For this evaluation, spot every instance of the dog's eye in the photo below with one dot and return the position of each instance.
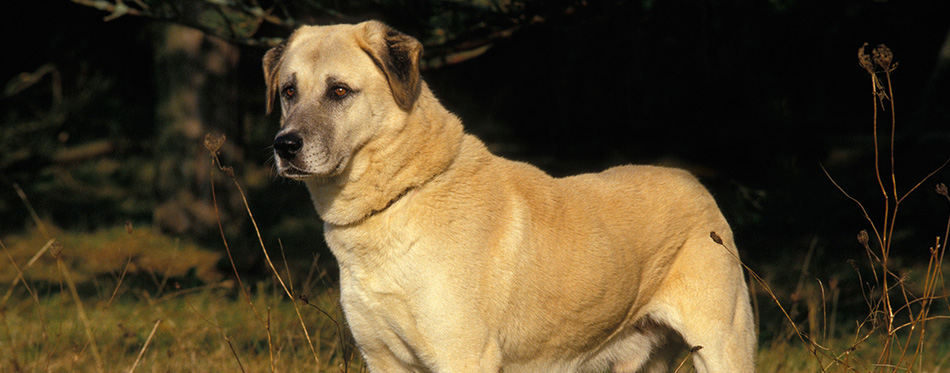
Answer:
(289, 91)
(340, 92)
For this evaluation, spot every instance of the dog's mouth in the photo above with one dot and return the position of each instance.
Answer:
(294, 172)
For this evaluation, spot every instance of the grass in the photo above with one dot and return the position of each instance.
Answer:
(132, 299)
(199, 329)
(855, 340)
(105, 252)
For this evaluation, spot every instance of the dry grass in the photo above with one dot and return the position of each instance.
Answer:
(104, 253)
(204, 329)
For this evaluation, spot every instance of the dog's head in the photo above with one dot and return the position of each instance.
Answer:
(338, 86)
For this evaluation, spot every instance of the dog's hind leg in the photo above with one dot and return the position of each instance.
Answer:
(722, 346)
(655, 354)
(707, 303)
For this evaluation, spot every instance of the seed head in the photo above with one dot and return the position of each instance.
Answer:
(863, 237)
(864, 60)
(883, 57)
(715, 237)
(213, 143)
(942, 190)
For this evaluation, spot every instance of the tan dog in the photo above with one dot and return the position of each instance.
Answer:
(456, 260)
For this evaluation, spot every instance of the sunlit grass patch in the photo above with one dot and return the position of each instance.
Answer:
(206, 330)
(107, 253)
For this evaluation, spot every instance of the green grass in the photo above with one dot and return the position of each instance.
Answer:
(213, 327)
(856, 341)
(107, 253)
(120, 298)
(207, 328)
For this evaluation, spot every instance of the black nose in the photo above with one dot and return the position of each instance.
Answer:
(287, 146)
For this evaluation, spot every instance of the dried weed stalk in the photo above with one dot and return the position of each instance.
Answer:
(213, 144)
(896, 315)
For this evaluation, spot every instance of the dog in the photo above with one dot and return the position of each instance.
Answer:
(453, 259)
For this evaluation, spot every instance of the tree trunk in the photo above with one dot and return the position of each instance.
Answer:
(196, 86)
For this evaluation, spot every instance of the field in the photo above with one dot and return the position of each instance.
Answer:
(78, 312)
(157, 307)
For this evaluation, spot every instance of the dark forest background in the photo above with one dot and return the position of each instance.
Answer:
(102, 121)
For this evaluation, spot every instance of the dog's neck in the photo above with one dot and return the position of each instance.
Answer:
(382, 173)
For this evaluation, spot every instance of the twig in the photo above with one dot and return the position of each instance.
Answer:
(691, 352)
(20, 272)
(220, 330)
(81, 310)
(855, 200)
(119, 282)
(29, 207)
(233, 351)
(213, 145)
(718, 240)
(145, 346)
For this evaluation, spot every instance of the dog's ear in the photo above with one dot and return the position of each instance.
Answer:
(272, 61)
(397, 55)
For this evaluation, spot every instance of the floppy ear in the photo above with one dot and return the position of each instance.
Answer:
(397, 55)
(271, 65)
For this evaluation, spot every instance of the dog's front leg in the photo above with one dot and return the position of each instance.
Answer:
(484, 360)
(456, 340)
(433, 329)
(460, 355)
(385, 361)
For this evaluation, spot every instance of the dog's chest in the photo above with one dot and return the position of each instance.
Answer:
(380, 282)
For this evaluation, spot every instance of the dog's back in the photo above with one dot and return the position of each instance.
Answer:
(616, 264)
